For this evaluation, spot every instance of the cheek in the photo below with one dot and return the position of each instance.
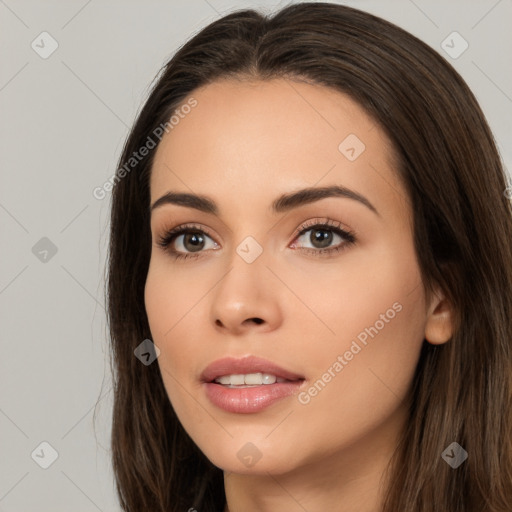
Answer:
(373, 318)
(164, 308)
(173, 306)
(169, 297)
(358, 385)
(159, 302)
(371, 294)
(375, 353)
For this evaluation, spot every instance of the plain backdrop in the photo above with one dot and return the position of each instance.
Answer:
(64, 118)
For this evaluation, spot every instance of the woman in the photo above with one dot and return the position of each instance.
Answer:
(314, 239)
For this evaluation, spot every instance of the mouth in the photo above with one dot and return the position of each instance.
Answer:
(248, 385)
(247, 371)
(250, 380)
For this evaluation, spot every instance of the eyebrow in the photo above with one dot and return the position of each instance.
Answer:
(283, 203)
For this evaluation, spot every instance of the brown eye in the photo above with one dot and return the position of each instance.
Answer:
(184, 241)
(321, 236)
(193, 241)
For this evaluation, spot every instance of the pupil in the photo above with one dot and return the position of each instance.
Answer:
(326, 237)
(196, 239)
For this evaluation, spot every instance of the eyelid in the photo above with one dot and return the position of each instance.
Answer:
(307, 225)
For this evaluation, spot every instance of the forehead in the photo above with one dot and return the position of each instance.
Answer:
(269, 136)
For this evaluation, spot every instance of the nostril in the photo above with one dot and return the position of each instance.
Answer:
(255, 320)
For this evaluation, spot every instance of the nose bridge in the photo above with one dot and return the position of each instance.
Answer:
(249, 240)
(246, 271)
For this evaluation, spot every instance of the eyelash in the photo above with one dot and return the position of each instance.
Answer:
(328, 225)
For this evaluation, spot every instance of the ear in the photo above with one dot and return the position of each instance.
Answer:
(439, 321)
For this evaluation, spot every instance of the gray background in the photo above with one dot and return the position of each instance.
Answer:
(64, 120)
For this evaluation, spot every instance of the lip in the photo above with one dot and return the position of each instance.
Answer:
(248, 364)
(250, 399)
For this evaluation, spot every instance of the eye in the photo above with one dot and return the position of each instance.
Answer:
(322, 235)
(186, 238)
(189, 241)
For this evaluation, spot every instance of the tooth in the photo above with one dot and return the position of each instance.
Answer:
(237, 380)
(269, 379)
(249, 379)
(253, 378)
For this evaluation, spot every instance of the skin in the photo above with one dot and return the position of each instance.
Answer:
(243, 145)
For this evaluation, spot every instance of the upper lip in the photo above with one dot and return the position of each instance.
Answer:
(248, 364)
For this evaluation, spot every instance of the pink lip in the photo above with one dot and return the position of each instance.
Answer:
(250, 399)
(248, 364)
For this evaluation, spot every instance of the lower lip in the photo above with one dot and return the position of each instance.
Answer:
(249, 400)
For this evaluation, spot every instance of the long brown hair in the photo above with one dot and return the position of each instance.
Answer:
(449, 164)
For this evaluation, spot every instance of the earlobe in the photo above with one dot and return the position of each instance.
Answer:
(439, 322)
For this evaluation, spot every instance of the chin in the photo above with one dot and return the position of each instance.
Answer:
(247, 459)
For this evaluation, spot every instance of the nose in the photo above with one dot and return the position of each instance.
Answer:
(245, 299)
(255, 320)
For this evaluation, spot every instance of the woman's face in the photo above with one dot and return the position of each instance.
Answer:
(340, 317)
